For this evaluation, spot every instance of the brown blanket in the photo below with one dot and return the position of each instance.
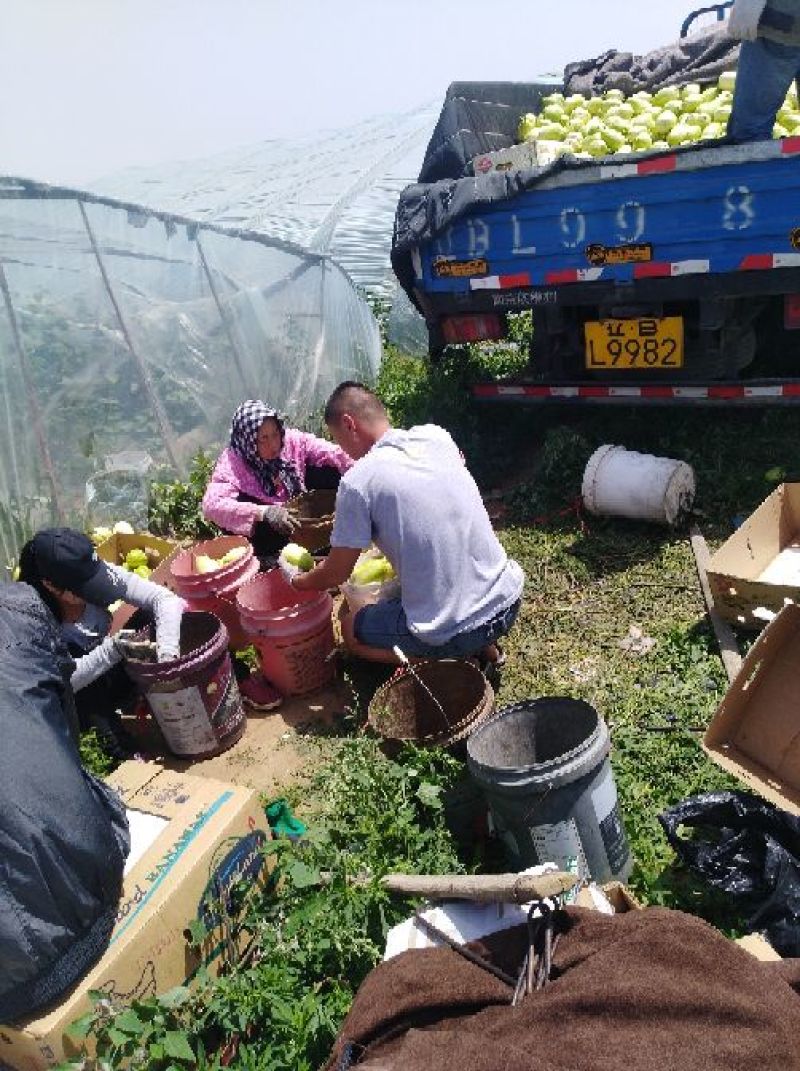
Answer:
(643, 991)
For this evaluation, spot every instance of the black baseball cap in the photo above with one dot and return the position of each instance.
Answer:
(69, 561)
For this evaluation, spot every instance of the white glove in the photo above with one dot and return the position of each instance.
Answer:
(287, 569)
(744, 19)
(131, 646)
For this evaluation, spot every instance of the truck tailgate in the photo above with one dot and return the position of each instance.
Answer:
(713, 210)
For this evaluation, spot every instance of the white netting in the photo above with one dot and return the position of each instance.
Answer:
(124, 329)
(334, 191)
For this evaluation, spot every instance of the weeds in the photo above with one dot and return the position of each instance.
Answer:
(317, 935)
(175, 505)
(93, 756)
(587, 581)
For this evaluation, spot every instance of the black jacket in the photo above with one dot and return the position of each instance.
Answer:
(63, 834)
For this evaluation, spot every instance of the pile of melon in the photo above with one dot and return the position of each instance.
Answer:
(614, 123)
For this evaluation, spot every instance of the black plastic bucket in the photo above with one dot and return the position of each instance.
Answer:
(543, 766)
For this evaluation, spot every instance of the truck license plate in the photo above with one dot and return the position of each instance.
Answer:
(655, 342)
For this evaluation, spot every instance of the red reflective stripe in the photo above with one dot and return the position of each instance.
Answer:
(717, 391)
(520, 279)
(725, 392)
(568, 276)
(651, 271)
(791, 311)
(657, 392)
(790, 145)
(756, 262)
(657, 165)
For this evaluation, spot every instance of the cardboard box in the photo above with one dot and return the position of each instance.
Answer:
(114, 550)
(195, 839)
(539, 153)
(116, 547)
(755, 733)
(514, 158)
(759, 566)
(619, 896)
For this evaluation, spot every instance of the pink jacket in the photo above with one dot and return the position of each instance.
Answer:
(232, 476)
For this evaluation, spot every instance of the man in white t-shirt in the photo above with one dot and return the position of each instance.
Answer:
(411, 495)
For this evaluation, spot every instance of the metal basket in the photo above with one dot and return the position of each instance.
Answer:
(314, 510)
(401, 710)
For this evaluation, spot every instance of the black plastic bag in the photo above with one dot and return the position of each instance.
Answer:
(745, 846)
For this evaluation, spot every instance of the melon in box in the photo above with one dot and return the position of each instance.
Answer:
(115, 549)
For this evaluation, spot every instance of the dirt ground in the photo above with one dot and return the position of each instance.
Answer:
(270, 754)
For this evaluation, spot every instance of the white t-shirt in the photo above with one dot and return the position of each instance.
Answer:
(413, 497)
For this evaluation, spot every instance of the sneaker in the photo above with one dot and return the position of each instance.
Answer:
(258, 693)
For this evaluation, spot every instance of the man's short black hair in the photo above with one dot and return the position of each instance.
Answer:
(353, 397)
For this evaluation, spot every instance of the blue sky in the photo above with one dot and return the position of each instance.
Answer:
(91, 86)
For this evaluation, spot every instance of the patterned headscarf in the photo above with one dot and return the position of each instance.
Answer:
(247, 419)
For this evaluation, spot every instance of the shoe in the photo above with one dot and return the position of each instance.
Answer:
(492, 669)
(259, 694)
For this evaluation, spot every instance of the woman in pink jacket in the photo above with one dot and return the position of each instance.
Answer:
(265, 465)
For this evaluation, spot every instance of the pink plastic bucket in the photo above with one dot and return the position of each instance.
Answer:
(215, 592)
(195, 699)
(292, 631)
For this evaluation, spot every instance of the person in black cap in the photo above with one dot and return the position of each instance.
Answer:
(61, 564)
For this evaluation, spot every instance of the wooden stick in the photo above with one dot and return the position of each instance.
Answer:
(728, 647)
(482, 888)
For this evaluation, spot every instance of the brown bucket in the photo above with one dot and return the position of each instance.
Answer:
(314, 509)
(402, 710)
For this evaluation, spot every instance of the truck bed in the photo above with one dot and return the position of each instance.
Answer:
(716, 212)
(704, 238)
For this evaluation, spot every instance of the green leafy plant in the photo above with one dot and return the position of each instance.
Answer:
(150, 1034)
(94, 758)
(175, 505)
(315, 937)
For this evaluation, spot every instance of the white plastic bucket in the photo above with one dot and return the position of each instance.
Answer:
(359, 595)
(623, 483)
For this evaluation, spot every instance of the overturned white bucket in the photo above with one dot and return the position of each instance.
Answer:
(623, 483)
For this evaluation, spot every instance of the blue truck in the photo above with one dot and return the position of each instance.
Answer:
(661, 277)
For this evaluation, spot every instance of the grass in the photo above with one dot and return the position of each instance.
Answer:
(587, 581)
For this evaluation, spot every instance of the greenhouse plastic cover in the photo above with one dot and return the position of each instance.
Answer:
(128, 336)
(329, 192)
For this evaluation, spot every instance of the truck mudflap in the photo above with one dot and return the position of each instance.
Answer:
(752, 393)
